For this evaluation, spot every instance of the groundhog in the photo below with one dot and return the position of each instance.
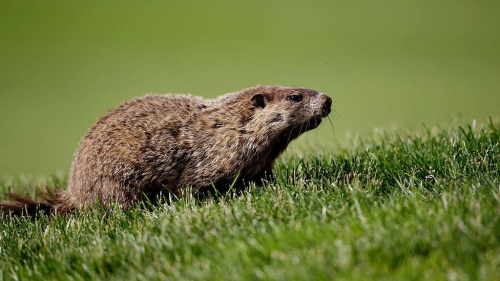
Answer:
(164, 143)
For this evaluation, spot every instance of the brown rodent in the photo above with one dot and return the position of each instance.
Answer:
(156, 143)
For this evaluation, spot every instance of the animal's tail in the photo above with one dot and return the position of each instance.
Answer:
(51, 202)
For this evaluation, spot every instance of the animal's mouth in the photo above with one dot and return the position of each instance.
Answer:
(313, 123)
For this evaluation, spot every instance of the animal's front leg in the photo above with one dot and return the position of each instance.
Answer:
(264, 174)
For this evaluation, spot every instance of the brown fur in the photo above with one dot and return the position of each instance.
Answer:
(156, 143)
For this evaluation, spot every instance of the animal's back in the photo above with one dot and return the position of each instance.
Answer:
(133, 149)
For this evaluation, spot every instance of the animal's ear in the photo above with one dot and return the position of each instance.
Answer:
(259, 100)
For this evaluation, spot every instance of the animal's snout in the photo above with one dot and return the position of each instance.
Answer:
(327, 106)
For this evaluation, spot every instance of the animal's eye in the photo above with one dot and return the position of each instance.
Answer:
(295, 97)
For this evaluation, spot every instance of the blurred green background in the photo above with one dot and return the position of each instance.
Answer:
(385, 63)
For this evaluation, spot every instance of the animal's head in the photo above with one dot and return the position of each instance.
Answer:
(288, 111)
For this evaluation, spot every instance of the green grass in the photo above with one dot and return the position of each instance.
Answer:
(413, 205)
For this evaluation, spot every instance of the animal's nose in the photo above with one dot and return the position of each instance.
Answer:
(327, 106)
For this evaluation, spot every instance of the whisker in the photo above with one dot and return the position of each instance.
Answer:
(331, 123)
(290, 135)
(332, 126)
(336, 117)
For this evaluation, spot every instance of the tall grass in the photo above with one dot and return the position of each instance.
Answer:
(413, 205)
